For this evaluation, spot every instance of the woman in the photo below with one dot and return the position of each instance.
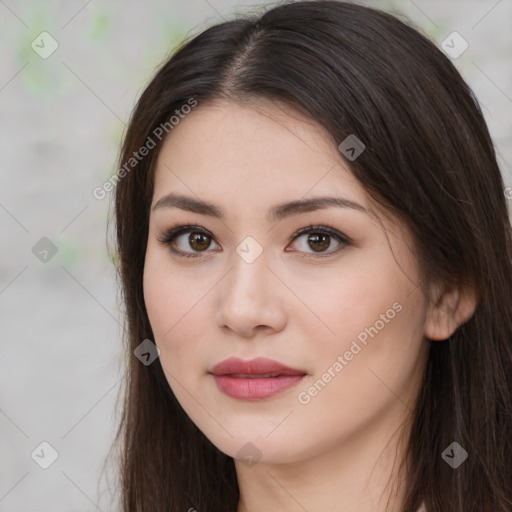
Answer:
(312, 230)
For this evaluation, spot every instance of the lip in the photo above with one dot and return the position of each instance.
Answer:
(251, 380)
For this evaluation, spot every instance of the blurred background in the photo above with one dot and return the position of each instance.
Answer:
(70, 74)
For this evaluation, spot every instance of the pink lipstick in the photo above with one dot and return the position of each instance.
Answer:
(256, 379)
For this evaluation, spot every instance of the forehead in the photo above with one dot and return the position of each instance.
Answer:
(224, 147)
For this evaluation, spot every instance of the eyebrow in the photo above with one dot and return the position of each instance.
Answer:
(276, 213)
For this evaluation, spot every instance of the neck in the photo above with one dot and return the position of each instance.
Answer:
(360, 475)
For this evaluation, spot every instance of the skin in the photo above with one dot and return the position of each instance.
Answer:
(342, 447)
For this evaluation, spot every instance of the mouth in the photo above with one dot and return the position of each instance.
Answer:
(253, 376)
(256, 379)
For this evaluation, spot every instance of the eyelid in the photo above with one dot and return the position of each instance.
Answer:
(341, 238)
(173, 232)
(322, 228)
(170, 234)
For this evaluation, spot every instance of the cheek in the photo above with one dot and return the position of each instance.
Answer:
(373, 315)
(334, 311)
(174, 310)
(371, 366)
(381, 351)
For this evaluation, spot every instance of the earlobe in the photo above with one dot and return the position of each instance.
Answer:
(452, 308)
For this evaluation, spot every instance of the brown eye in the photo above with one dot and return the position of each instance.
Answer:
(319, 242)
(199, 241)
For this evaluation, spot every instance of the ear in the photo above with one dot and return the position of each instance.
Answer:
(451, 308)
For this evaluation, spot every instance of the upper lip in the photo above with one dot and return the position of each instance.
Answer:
(258, 366)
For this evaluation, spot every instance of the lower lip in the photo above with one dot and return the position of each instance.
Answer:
(255, 389)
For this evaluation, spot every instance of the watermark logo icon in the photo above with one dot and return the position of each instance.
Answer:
(249, 249)
(454, 45)
(146, 352)
(44, 250)
(44, 45)
(454, 455)
(351, 147)
(249, 454)
(44, 455)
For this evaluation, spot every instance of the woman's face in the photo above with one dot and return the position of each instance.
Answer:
(339, 304)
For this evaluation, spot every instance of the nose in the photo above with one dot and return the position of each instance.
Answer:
(250, 299)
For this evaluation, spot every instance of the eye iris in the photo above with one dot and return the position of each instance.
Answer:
(199, 238)
(316, 238)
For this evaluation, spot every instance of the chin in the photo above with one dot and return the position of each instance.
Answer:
(252, 447)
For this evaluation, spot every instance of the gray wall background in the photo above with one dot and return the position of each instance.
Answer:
(62, 118)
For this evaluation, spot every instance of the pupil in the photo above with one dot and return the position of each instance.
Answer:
(196, 238)
(315, 239)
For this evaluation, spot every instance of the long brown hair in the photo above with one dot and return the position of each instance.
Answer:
(429, 160)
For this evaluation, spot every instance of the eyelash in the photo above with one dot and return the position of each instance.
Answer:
(179, 229)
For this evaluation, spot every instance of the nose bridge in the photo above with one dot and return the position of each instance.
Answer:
(249, 273)
(248, 299)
